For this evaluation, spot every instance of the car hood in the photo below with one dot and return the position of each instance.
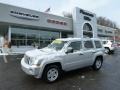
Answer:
(40, 52)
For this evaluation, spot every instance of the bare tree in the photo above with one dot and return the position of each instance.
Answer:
(106, 22)
(66, 14)
(100, 20)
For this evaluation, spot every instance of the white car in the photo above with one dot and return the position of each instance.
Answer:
(109, 46)
(63, 55)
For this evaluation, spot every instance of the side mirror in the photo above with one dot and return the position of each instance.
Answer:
(69, 50)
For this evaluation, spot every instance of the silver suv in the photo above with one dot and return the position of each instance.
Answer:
(63, 55)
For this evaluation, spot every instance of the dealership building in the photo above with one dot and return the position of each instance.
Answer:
(26, 29)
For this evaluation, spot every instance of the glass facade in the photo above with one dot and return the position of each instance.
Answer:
(87, 30)
(100, 31)
(32, 37)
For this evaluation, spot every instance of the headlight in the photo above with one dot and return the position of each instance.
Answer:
(37, 62)
(28, 60)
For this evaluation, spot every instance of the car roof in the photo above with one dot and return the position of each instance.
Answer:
(77, 39)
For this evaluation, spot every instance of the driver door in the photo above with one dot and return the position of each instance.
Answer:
(72, 60)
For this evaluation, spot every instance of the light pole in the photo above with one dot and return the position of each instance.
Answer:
(114, 35)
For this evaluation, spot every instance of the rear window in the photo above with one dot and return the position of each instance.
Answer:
(112, 41)
(104, 42)
(88, 44)
(98, 44)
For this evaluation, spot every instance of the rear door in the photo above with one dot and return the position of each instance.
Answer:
(88, 52)
(98, 45)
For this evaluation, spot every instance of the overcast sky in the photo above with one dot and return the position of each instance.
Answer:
(105, 8)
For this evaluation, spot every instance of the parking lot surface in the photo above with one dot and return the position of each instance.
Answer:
(108, 78)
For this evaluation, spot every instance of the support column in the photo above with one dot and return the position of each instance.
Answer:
(60, 34)
(9, 34)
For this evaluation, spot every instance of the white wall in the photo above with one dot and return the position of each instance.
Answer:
(78, 22)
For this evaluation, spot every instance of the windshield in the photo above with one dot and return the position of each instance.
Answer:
(57, 44)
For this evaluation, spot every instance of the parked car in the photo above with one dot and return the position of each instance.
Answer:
(118, 44)
(109, 46)
(63, 55)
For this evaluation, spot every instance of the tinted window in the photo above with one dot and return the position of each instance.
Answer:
(76, 45)
(87, 27)
(88, 44)
(98, 44)
(104, 42)
(87, 30)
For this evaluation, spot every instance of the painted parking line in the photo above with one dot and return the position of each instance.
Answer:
(4, 55)
(5, 59)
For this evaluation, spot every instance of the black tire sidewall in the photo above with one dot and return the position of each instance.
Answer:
(46, 71)
(94, 65)
(108, 51)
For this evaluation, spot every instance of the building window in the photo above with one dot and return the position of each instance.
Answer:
(87, 30)
(31, 37)
(108, 32)
(87, 27)
(100, 30)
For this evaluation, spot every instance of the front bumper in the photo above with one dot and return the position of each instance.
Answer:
(31, 70)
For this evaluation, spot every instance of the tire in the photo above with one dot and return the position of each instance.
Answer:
(97, 64)
(51, 73)
(112, 52)
(107, 50)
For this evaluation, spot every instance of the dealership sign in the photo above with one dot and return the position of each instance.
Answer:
(24, 15)
(56, 22)
(86, 13)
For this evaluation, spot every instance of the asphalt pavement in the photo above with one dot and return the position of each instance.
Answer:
(108, 78)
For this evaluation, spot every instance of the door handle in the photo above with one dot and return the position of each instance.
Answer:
(94, 52)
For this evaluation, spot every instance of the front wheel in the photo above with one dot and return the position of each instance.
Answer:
(51, 73)
(97, 64)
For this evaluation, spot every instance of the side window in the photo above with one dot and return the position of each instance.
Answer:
(98, 44)
(104, 42)
(76, 45)
(88, 44)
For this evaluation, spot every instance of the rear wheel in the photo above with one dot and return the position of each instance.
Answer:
(98, 63)
(107, 50)
(51, 73)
